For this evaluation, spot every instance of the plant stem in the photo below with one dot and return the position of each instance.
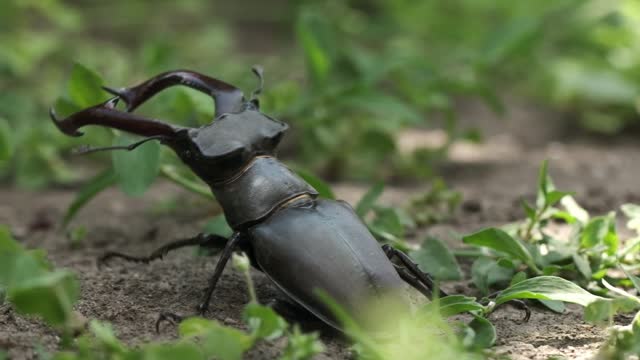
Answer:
(170, 173)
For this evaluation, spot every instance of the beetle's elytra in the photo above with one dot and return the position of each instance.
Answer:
(302, 243)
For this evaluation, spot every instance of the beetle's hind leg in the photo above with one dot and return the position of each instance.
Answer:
(204, 240)
(411, 273)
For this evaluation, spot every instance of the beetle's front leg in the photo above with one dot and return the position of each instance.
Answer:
(213, 281)
(205, 240)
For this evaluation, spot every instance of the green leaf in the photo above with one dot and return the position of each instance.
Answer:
(218, 226)
(553, 305)
(221, 342)
(485, 333)
(435, 258)
(518, 277)
(171, 351)
(301, 346)
(369, 199)
(264, 322)
(50, 296)
(634, 279)
(457, 304)
(92, 188)
(85, 87)
(486, 272)
(575, 210)
(601, 230)
(583, 266)
(6, 141)
(323, 188)
(544, 184)
(547, 288)
(555, 195)
(103, 331)
(529, 211)
(602, 311)
(310, 30)
(136, 169)
(501, 241)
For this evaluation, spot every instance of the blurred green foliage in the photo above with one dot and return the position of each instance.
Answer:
(347, 75)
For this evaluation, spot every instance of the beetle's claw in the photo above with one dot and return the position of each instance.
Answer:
(167, 316)
(57, 123)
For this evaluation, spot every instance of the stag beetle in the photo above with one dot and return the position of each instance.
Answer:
(300, 241)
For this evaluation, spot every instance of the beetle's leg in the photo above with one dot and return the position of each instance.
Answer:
(404, 274)
(167, 316)
(227, 97)
(411, 267)
(517, 303)
(226, 254)
(206, 240)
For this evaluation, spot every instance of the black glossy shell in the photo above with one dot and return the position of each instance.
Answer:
(248, 132)
(323, 245)
(257, 191)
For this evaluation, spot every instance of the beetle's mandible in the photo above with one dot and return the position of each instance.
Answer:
(301, 242)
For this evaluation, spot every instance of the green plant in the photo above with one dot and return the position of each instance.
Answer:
(33, 287)
(530, 247)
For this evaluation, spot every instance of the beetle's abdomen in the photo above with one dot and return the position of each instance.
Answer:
(258, 190)
(324, 245)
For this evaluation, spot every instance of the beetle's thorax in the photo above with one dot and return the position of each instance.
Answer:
(235, 156)
(258, 190)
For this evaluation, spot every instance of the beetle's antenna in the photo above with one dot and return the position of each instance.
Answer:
(259, 72)
(86, 149)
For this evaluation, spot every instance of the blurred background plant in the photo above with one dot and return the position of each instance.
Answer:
(347, 75)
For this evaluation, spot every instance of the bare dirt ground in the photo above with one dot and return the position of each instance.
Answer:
(492, 176)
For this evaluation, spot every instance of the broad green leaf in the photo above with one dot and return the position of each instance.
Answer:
(486, 272)
(634, 279)
(518, 277)
(301, 346)
(485, 333)
(554, 196)
(601, 230)
(136, 169)
(547, 288)
(435, 258)
(553, 305)
(323, 188)
(369, 199)
(218, 341)
(583, 266)
(103, 331)
(195, 326)
(264, 322)
(6, 141)
(50, 296)
(499, 240)
(7, 243)
(575, 210)
(225, 343)
(92, 188)
(602, 311)
(85, 87)
(632, 211)
(218, 226)
(456, 304)
(171, 351)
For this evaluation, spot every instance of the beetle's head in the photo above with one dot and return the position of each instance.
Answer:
(212, 151)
